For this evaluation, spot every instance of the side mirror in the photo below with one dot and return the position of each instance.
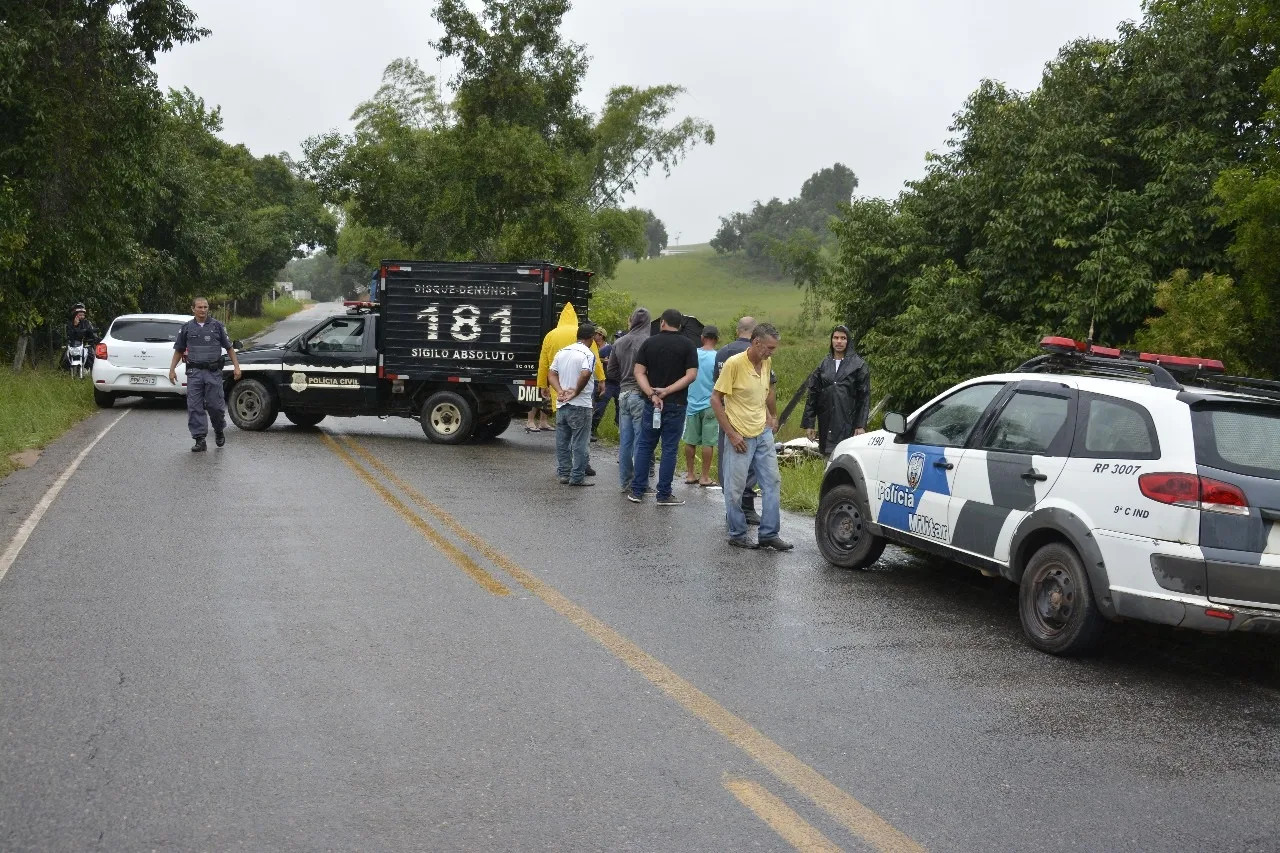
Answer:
(895, 422)
(237, 344)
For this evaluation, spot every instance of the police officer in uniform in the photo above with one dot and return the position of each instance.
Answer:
(202, 340)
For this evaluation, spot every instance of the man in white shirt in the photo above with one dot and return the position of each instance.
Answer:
(572, 378)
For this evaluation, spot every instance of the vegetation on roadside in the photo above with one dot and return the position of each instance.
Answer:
(240, 328)
(37, 406)
(714, 288)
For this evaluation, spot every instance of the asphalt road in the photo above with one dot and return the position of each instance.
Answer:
(349, 638)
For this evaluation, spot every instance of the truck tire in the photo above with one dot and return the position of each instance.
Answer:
(252, 405)
(447, 418)
(104, 399)
(1055, 603)
(841, 529)
(301, 419)
(494, 428)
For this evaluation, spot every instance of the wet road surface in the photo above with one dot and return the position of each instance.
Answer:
(349, 638)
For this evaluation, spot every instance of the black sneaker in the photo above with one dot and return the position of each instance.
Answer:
(199, 446)
(670, 500)
(777, 543)
(753, 517)
(219, 438)
(591, 472)
(583, 483)
(634, 498)
(742, 542)
(564, 481)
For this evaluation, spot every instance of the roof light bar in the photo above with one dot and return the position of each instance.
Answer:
(1070, 346)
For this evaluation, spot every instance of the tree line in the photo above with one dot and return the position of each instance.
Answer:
(1133, 196)
(514, 166)
(117, 195)
(123, 197)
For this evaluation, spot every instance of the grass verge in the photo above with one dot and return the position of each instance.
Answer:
(240, 328)
(37, 406)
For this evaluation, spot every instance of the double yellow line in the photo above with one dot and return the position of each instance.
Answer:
(857, 818)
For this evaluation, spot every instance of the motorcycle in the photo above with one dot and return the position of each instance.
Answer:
(79, 357)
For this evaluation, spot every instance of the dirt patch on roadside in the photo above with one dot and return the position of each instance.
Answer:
(24, 458)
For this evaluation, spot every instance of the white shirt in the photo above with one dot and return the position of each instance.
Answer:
(569, 365)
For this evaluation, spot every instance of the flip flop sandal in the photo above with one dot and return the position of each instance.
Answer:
(711, 485)
(692, 482)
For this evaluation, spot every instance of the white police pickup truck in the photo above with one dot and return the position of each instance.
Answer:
(1108, 484)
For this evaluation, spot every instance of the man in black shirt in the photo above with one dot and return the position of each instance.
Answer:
(665, 366)
(746, 326)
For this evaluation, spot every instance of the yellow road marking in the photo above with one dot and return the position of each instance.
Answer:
(794, 829)
(852, 814)
(468, 565)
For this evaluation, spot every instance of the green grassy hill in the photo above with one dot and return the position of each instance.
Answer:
(714, 288)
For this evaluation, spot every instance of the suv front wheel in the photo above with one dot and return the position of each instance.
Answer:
(1055, 602)
(842, 532)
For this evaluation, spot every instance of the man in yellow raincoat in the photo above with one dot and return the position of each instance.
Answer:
(557, 339)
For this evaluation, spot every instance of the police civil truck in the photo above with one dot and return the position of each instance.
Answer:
(1109, 485)
(455, 345)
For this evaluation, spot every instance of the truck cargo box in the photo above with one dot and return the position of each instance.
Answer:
(477, 321)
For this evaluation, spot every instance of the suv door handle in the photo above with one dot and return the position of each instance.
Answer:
(1033, 474)
(942, 463)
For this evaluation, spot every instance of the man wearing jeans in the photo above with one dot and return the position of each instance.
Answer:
(572, 378)
(666, 365)
(630, 406)
(747, 411)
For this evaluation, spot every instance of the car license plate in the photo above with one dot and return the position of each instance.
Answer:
(142, 380)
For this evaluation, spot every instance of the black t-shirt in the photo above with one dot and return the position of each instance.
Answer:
(666, 356)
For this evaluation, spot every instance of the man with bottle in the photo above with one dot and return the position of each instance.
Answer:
(666, 364)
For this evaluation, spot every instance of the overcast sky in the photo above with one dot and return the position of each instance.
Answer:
(791, 86)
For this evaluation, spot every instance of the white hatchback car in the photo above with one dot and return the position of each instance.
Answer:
(1109, 485)
(132, 359)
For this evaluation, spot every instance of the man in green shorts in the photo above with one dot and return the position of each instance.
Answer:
(700, 426)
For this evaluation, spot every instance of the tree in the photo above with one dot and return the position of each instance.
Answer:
(517, 168)
(655, 233)
(771, 233)
(1201, 317)
(77, 142)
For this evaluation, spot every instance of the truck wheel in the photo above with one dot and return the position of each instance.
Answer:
(104, 399)
(841, 529)
(494, 428)
(304, 420)
(1055, 603)
(252, 405)
(447, 418)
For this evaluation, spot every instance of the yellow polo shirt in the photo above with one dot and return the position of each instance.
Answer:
(745, 390)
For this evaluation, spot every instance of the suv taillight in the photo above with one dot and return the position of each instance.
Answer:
(1189, 490)
(100, 351)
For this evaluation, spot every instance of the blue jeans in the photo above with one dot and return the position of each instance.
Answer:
(630, 418)
(573, 432)
(761, 457)
(669, 435)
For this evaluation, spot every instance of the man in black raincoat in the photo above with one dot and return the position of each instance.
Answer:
(839, 398)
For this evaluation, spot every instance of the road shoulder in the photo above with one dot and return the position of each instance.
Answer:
(23, 488)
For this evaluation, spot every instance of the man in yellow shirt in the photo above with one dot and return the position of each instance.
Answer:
(747, 410)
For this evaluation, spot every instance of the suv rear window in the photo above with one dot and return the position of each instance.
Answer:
(145, 331)
(1241, 439)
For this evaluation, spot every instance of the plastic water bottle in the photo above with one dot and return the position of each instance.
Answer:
(657, 417)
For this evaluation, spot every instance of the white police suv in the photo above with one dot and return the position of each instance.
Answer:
(1108, 484)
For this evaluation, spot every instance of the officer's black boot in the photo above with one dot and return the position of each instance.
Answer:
(219, 437)
(199, 446)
